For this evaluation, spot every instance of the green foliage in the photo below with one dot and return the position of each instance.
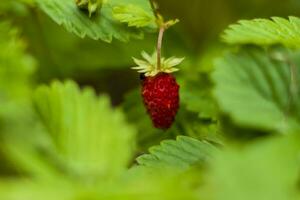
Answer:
(133, 15)
(198, 101)
(196, 96)
(16, 66)
(15, 7)
(91, 60)
(83, 129)
(16, 73)
(126, 188)
(183, 153)
(64, 141)
(101, 26)
(265, 32)
(263, 170)
(254, 89)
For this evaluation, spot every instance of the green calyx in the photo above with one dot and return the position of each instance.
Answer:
(90, 5)
(149, 67)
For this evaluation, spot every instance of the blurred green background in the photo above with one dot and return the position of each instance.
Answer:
(52, 53)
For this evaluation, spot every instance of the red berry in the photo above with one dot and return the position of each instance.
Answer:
(161, 98)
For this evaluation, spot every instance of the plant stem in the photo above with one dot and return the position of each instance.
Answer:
(162, 27)
(159, 45)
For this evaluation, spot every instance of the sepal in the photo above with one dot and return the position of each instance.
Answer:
(148, 65)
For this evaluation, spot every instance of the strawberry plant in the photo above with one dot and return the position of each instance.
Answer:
(212, 114)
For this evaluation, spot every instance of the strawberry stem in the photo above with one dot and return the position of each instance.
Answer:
(162, 26)
(159, 45)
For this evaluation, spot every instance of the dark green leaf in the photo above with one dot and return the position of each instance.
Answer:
(101, 25)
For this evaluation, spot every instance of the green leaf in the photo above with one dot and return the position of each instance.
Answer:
(101, 26)
(90, 137)
(196, 97)
(16, 70)
(182, 153)
(266, 169)
(138, 184)
(27, 158)
(265, 32)
(16, 66)
(21, 189)
(255, 90)
(133, 15)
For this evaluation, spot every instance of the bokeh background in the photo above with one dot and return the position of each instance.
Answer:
(60, 55)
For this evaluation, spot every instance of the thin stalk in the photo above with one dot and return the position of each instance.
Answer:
(162, 27)
(159, 46)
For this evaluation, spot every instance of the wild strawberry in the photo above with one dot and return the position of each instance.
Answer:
(160, 91)
(161, 98)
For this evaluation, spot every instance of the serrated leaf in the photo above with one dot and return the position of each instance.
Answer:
(133, 15)
(265, 32)
(254, 89)
(101, 26)
(267, 169)
(182, 153)
(89, 137)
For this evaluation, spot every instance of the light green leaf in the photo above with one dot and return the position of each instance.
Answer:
(90, 137)
(182, 153)
(138, 184)
(23, 189)
(133, 15)
(28, 159)
(16, 66)
(265, 32)
(255, 90)
(264, 170)
(100, 26)
(16, 70)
